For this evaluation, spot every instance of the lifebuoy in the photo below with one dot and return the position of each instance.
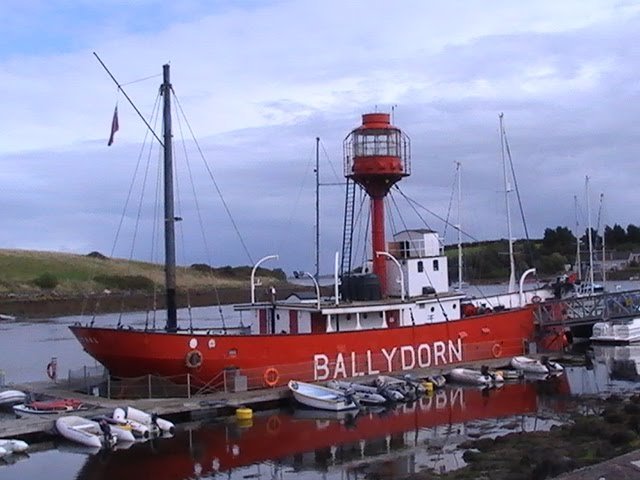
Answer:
(536, 299)
(271, 376)
(51, 370)
(193, 359)
(273, 424)
(496, 350)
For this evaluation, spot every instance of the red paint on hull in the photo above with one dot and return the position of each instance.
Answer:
(133, 353)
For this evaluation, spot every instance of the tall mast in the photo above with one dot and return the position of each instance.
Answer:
(169, 216)
(507, 190)
(589, 233)
(578, 261)
(317, 207)
(459, 173)
(604, 263)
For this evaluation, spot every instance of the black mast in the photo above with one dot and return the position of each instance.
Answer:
(169, 216)
(317, 208)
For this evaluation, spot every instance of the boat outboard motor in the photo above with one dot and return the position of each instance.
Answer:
(154, 420)
(106, 432)
(350, 395)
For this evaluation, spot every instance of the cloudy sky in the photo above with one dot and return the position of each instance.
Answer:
(259, 80)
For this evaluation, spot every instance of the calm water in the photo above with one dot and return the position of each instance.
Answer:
(304, 444)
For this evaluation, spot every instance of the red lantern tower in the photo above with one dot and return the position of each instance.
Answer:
(376, 156)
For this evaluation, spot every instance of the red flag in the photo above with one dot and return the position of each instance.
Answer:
(114, 126)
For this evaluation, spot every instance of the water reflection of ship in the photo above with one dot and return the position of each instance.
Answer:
(314, 443)
(609, 368)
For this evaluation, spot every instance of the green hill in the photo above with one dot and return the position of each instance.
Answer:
(24, 273)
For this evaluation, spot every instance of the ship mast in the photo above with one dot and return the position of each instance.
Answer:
(578, 261)
(589, 235)
(507, 190)
(317, 208)
(169, 216)
(458, 165)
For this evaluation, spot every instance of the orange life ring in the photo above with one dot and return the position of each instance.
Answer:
(273, 424)
(51, 370)
(496, 350)
(536, 299)
(193, 359)
(271, 376)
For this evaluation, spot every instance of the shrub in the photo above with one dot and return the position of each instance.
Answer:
(47, 280)
(201, 267)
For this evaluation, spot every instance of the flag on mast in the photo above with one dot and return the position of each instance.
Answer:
(114, 126)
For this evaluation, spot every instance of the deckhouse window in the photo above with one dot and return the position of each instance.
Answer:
(420, 267)
(436, 266)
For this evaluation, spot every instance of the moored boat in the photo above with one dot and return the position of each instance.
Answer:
(138, 429)
(375, 323)
(617, 331)
(529, 365)
(151, 421)
(9, 398)
(13, 446)
(364, 394)
(475, 377)
(84, 431)
(323, 398)
(49, 407)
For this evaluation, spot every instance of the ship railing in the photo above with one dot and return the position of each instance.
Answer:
(589, 309)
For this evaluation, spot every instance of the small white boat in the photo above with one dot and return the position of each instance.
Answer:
(324, 398)
(529, 365)
(438, 380)
(475, 377)
(49, 407)
(622, 331)
(365, 394)
(151, 421)
(83, 431)
(138, 429)
(13, 446)
(8, 398)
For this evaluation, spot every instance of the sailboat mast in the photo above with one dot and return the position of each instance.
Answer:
(458, 164)
(169, 216)
(589, 235)
(507, 190)
(604, 261)
(317, 207)
(578, 261)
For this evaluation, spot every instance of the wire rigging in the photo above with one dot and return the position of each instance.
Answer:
(215, 184)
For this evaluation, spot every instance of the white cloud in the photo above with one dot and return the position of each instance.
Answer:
(260, 81)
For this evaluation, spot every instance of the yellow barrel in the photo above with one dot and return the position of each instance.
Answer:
(244, 422)
(243, 413)
(428, 386)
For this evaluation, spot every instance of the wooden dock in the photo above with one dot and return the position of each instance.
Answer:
(213, 405)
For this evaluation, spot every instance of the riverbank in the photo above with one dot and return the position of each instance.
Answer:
(47, 306)
(610, 429)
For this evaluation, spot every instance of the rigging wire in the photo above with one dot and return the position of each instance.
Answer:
(294, 207)
(215, 184)
(414, 204)
(453, 191)
(143, 147)
(179, 216)
(201, 223)
(335, 174)
(515, 184)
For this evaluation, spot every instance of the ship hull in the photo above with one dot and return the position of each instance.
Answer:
(273, 360)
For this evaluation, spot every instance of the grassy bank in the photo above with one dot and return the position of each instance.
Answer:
(32, 274)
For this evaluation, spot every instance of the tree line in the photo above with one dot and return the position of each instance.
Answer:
(489, 260)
